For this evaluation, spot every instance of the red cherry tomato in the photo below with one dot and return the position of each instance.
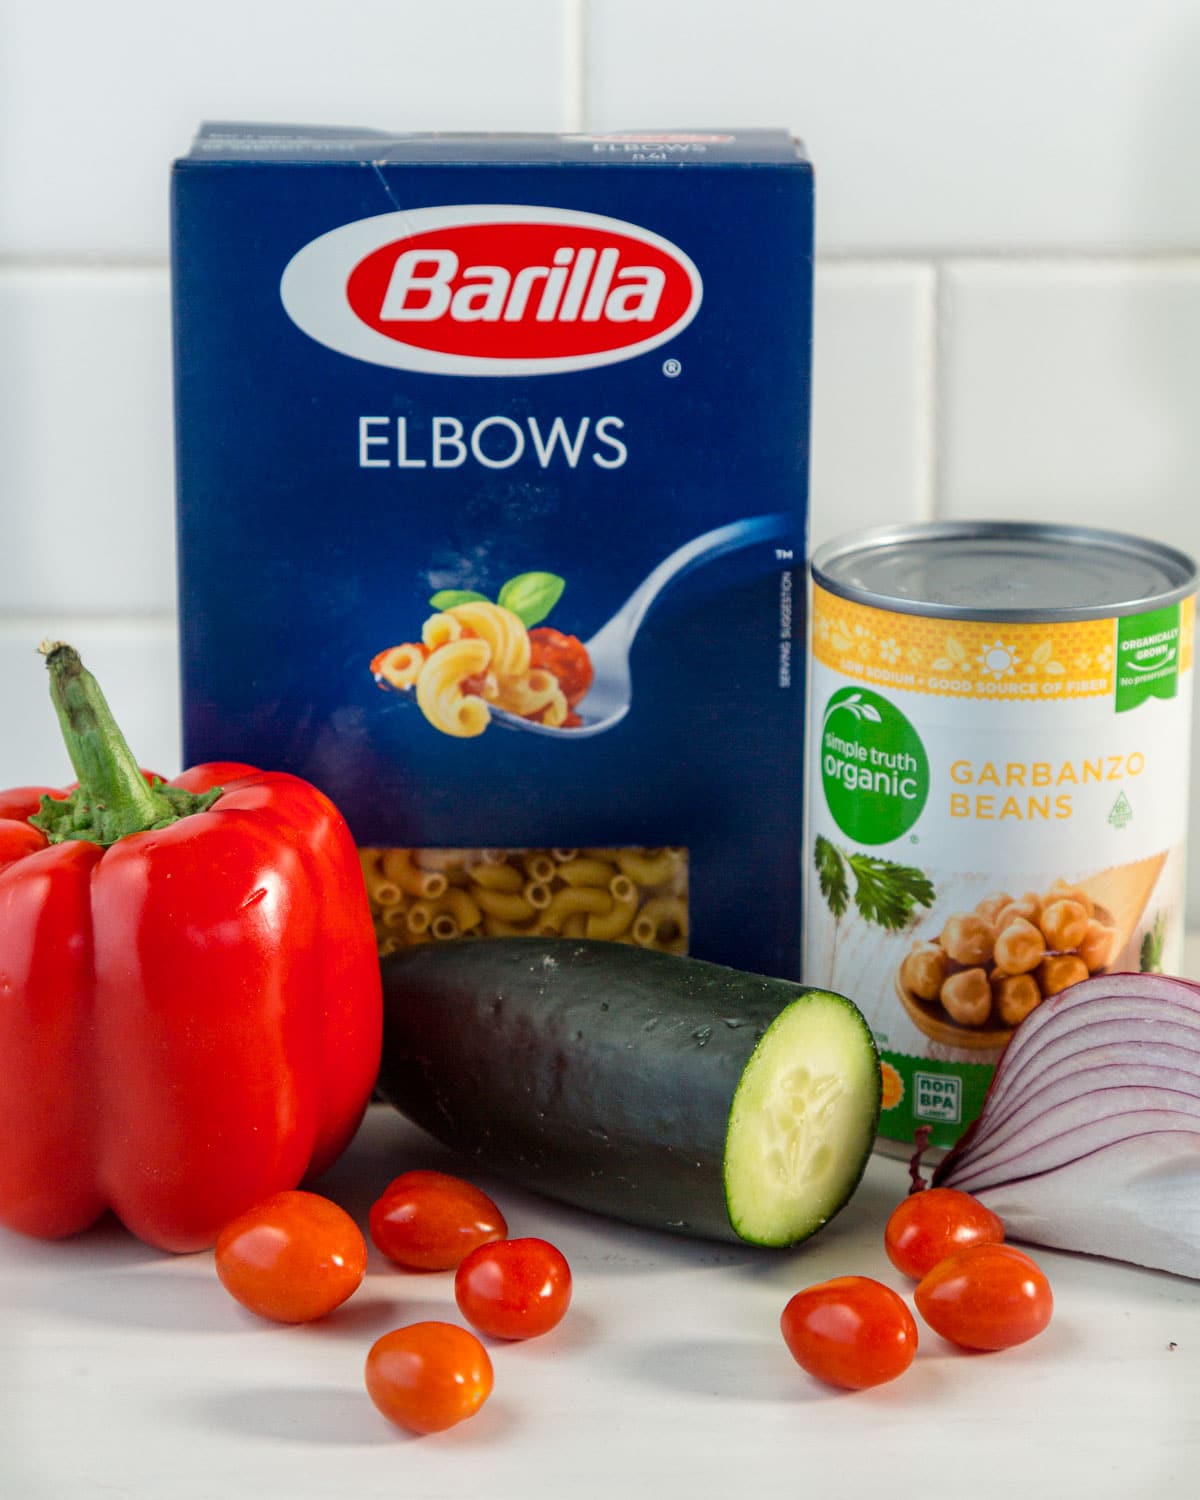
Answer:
(294, 1257)
(930, 1225)
(428, 1376)
(514, 1289)
(564, 655)
(852, 1332)
(427, 1221)
(986, 1297)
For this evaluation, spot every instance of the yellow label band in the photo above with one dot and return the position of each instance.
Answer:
(972, 658)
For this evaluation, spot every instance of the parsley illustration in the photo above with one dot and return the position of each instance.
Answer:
(831, 874)
(885, 892)
(1151, 958)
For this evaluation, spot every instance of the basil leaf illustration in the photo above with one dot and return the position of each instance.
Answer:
(531, 596)
(448, 598)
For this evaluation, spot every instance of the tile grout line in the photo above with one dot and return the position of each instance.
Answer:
(575, 70)
(930, 478)
(939, 415)
(29, 622)
(82, 261)
(1017, 257)
(575, 60)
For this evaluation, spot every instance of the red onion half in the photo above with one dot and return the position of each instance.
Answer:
(1089, 1138)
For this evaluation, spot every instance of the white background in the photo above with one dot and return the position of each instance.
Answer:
(126, 1374)
(1008, 280)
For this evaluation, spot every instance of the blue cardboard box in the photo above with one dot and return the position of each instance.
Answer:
(492, 491)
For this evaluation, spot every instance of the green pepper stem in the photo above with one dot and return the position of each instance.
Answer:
(113, 799)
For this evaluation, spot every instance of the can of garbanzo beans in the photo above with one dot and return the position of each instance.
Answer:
(1000, 719)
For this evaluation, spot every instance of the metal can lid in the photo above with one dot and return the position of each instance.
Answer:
(1004, 571)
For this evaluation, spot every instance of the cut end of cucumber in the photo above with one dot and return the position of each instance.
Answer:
(802, 1122)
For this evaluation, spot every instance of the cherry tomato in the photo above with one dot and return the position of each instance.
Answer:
(294, 1257)
(514, 1289)
(427, 1221)
(851, 1332)
(428, 1376)
(986, 1297)
(930, 1225)
(564, 655)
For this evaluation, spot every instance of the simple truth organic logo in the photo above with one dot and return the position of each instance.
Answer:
(873, 766)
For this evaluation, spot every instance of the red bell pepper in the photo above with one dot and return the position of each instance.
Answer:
(190, 1008)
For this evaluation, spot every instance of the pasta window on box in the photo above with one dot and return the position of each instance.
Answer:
(631, 895)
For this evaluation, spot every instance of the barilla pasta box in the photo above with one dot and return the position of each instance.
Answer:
(492, 476)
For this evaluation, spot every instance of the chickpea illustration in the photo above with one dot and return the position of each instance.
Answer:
(1064, 924)
(1029, 907)
(1056, 972)
(1062, 891)
(998, 962)
(1020, 947)
(968, 939)
(967, 997)
(1015, 996)
(1096, 950)
(991, 907)
(924, 971)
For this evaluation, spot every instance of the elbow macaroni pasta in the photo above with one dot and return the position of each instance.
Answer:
(441, 683)
(473, 657)
(502, 631)
(401, 665)
(637, 896)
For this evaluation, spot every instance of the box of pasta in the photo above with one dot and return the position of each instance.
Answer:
(492, 483)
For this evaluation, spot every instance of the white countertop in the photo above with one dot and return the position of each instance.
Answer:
(127, 1372)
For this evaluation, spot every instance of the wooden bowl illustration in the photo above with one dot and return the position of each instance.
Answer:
(929, 1017)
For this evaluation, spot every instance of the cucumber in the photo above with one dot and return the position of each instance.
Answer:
(663, 1091)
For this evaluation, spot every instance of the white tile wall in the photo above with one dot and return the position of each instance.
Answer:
(873, 371)
(136, 662)
(1008, 284)
(936, 124)
(1070, 391)
(96, 99)
(85, 439)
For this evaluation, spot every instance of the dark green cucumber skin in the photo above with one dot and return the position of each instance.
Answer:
(595, 1073)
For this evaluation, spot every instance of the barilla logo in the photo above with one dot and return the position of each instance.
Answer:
(491, 289)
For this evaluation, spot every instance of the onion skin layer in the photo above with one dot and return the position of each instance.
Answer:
(1111, 1171)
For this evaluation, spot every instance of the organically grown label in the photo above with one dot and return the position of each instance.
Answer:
(1147, 657)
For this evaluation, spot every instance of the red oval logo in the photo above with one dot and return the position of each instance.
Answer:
(491, 289)
(519, 291)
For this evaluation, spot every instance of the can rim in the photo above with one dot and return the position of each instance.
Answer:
(864, 541)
